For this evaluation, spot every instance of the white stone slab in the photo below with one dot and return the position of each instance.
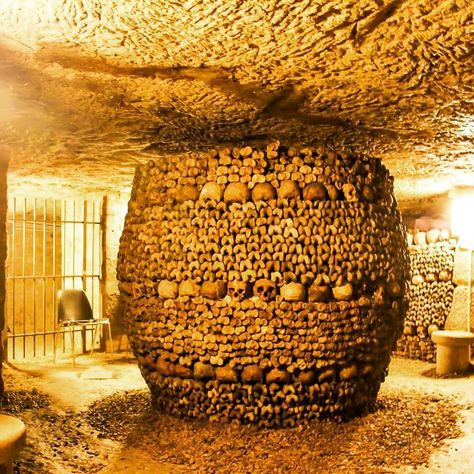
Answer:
(457, 317)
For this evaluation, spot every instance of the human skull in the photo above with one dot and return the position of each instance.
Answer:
(293, 292)
(183, 372)
(432, 236)
(203, 371)
(186, 193)
(393, 288)
(350, 192)
(444, 235)
(237, 289)
(226, 374)
(278, 376)
(214, 290)
(368, 194)
(418, 279)
(252, 373)
(164, 367)
(189, 288)
(343, 292)
(211, 191)
(315, 192)
(236, 192)
(289, 190)
(168, 289)
(265, 289)
(307, 377)
(333, 193)
(263, 192)
(420, 238)
(319, 293)
(444, 275)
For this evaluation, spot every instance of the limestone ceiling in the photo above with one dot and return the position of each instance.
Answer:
(90, 88)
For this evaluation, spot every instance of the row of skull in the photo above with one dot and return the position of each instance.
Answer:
(240, 192)
(264, 289)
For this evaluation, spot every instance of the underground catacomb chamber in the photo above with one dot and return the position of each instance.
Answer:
(263, 285)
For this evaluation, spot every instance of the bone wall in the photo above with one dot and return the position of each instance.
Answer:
(263, 285)
(430, 293)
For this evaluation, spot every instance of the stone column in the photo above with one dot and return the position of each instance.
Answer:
(457, 318)
(115, 210)
(3, 249)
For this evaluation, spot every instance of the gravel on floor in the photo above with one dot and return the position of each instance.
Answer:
(57, 442)
(18, 401)
(404, 429)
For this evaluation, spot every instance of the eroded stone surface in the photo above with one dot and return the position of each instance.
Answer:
(89, 87)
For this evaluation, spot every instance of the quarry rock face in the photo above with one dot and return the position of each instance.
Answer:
(263, 285)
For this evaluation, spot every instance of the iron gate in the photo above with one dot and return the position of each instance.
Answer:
(52, 244)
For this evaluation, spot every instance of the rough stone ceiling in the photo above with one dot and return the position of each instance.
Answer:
(90, 88)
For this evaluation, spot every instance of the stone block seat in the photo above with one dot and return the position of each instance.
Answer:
(12, 440)
(452, 351)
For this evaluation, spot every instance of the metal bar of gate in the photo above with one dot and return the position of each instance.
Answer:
(93, 258)
(38, 277)
(34, 334)
(13, 328)
(27, 220)
(102, 242)
(43, 271)
(54, 270)
(63, 244)
(63, 252)
(23, 264)
(73, 243)
(84, 246)
(34, 273)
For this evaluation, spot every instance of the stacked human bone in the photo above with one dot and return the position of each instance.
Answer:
(263, 285)
(430, 293)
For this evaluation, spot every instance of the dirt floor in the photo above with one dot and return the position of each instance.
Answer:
(97, 418)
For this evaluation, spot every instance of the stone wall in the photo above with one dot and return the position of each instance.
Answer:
(430, 294)
(115, 210)
(3, 250)
(458, 319)
(263, 285)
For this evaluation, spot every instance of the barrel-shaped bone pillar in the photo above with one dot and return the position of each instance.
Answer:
(268, 307)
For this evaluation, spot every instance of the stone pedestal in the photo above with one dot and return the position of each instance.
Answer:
(12, 440)
(452, 351)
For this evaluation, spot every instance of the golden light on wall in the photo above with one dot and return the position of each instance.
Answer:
(462, 223)
(462, 220)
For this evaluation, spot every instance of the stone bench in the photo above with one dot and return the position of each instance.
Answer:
(12, 440)
(452, 351)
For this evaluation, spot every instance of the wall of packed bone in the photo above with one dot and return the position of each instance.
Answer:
(430, 293)
(263, 285)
